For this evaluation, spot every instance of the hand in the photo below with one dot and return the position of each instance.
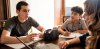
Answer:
(29, 37)
(63, 44)
(41, 35)
(67, 33)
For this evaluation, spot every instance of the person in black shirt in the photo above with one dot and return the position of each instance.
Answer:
(20, 25)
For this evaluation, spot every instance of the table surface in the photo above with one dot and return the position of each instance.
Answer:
(78, 46)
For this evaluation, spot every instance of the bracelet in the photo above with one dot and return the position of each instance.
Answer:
(67, 42)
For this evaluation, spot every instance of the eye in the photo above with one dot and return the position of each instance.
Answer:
(75, 14)
(24, 10)
(28, 10)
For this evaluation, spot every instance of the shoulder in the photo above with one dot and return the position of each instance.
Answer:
(68, 21)
(31, 19)
(81, 21)
(12, 20)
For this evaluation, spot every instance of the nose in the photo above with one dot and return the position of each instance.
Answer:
(84, 16)
(27, 13)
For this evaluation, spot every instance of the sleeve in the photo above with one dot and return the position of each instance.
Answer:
(9, 25)
(83, 24)
(83, 38)
(34, 23)
(65, 24)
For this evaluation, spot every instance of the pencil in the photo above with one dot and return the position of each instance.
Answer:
(66, 29)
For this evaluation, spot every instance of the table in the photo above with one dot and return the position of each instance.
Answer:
(78, 46)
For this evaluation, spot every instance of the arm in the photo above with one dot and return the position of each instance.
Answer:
(40, 28)
(64, 44)
(6, 38)
(60, 30)
(80, 39)
(82, 31)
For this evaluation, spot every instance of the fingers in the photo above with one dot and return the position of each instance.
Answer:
(33, 34)
(62, 45)
(41, 35)
(67, 33)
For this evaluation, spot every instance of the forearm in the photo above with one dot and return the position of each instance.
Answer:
(60, 31)
(9, 39)
(42, 31)
(82, 31)
(74, 41)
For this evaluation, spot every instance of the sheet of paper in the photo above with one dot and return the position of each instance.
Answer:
(20, 45)
(73, 35)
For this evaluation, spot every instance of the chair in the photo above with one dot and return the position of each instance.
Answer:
(65, 18)
(1, 28)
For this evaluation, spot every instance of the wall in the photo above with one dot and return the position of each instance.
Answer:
(43, 12)
(13, 6)
(71, 3)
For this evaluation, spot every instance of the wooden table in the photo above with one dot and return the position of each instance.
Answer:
(78, 46)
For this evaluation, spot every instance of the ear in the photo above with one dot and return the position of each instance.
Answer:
(17, 11)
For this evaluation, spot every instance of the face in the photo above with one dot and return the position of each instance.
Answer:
(86, 18)
(23, 13)
(75, 16)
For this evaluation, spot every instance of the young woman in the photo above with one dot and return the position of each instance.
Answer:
(92, 18)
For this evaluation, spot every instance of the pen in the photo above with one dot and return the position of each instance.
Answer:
(66, 29)
(23, 43)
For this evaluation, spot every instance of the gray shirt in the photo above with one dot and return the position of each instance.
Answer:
(17, 28)
(68, 24)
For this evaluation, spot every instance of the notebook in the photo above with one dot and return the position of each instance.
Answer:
(73, 35)
(20, 45)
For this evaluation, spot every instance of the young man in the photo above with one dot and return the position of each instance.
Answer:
(74, 24)
(20, 25)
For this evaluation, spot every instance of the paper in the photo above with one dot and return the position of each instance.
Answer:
(47, 46)
(21, 45)
(73, 35)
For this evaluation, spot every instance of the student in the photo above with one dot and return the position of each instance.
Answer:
(92, 18)
(20, 25)
(74, 24)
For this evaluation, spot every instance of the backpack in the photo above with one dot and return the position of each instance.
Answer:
(51, 34)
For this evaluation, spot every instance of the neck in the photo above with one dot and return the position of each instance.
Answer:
(21, 20)
(75, 21)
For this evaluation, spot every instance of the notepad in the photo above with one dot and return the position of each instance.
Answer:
(73, 35)
(20, 45)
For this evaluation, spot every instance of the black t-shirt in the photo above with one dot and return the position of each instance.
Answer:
(17, 28)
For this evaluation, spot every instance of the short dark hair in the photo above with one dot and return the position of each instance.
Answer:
(77, 9)
(21, 3)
